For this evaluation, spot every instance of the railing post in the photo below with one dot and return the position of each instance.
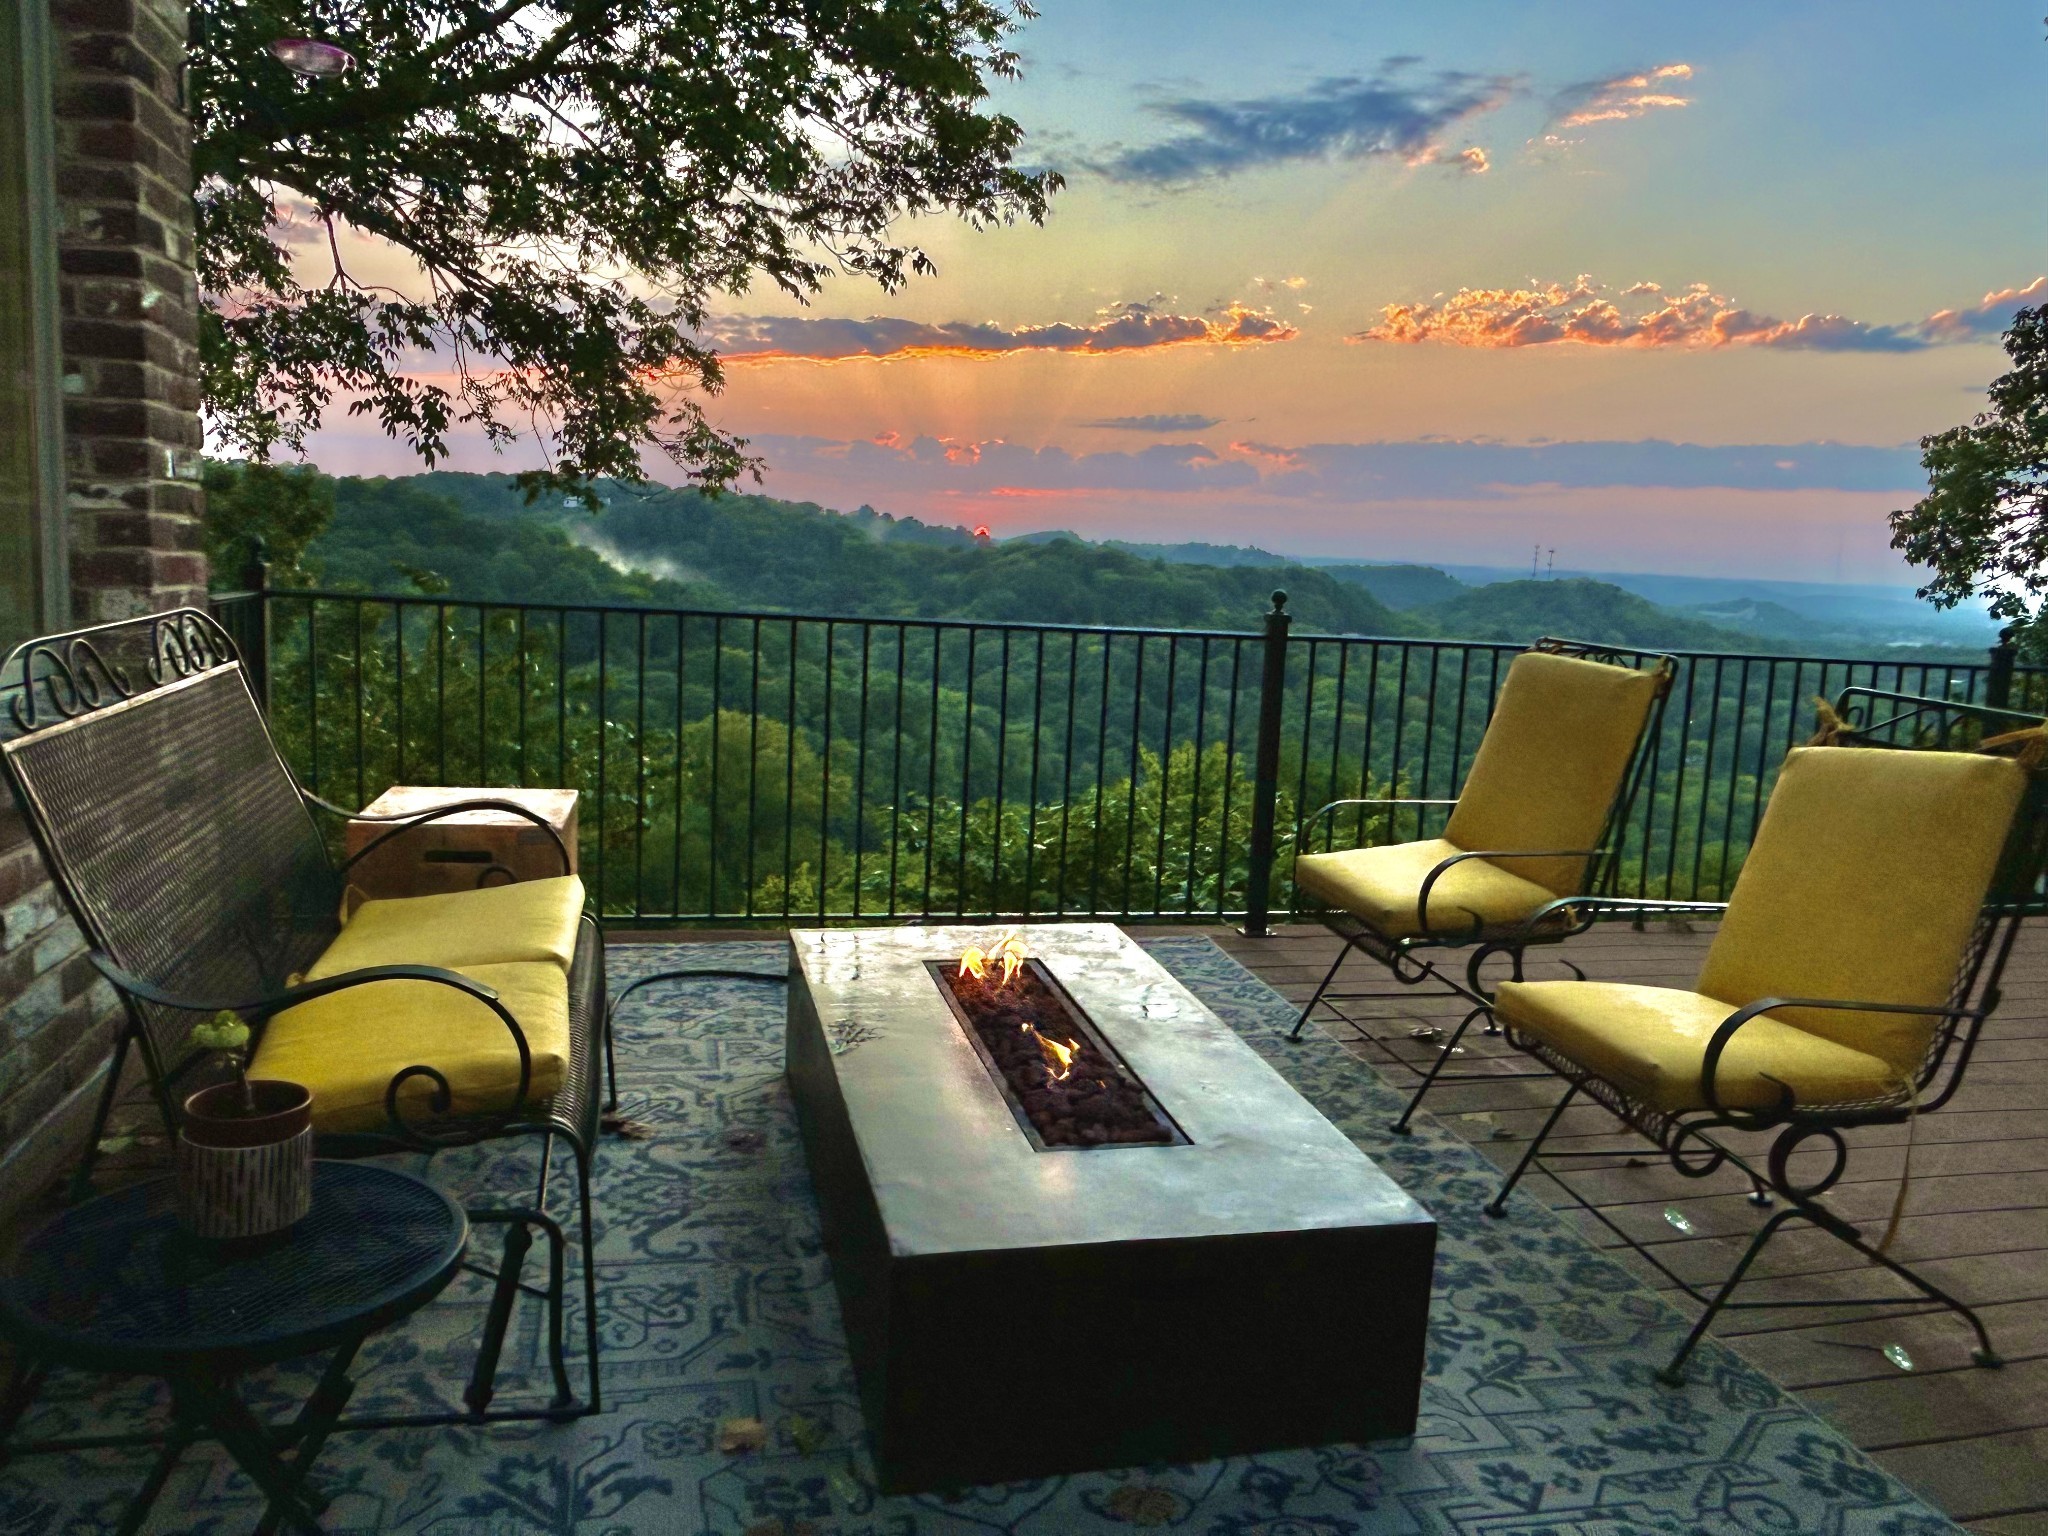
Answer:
(254, 639)
(1266, 770)
(1998, 680)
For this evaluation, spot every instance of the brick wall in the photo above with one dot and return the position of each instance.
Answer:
(132, 500)
(129, 306)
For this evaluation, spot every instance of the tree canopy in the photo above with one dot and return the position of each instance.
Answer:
(1983, 525)
(577, 181)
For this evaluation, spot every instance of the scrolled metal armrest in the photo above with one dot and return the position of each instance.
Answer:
(260, 1010)
(404, 822)
(1479, 923)
(1625, 904)
(1314, 816)
(1710, 1064)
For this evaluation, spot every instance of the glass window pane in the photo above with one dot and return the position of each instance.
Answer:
(26, 496)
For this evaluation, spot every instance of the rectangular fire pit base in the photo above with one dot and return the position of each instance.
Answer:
(1017, 1313)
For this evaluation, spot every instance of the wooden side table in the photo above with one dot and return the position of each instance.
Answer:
(463, 851)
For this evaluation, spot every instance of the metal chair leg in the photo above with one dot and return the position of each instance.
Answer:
(557, 1297)
(589, 1272)
(1321, 987)
(518, 1240)
(1984, 1354)
(1497, 1206)
(1400, 1126)
(1673, 1374)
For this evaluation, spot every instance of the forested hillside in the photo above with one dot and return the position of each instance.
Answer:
(1593, 610)
(476, 536)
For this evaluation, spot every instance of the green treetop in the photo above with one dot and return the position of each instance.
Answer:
(1983, 526)
(576, 181)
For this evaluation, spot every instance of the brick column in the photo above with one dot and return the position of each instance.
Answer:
(128, 308)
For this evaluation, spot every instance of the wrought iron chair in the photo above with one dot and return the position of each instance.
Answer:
(1856, 962)
(190, 858)
(1539, 817)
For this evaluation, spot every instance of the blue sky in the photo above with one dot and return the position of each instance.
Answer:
(1325, 273)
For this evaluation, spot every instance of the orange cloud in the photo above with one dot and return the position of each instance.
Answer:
(1620, 98)
(1122, 328)
(1266, 454)
(1469, 161)
(1641, 315)
(1989, 318)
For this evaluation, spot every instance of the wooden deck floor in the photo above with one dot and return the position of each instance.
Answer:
(1973, 1441)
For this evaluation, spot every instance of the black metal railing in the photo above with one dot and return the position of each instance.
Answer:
(760, 766)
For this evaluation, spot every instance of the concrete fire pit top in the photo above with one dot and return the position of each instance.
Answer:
(952, 1172)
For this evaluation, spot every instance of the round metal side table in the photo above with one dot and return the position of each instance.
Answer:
(116, 1284)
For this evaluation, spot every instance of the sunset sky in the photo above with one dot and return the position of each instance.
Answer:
(1667, 289)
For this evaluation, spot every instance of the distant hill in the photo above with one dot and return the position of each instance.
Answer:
(476, 536)
(401, 535)
(1401, 586)
(1773, 621)
(1172, 554)
(1859, 618)
(1576, 609)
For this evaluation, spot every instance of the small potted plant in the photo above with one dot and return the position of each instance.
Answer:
(245, 1146)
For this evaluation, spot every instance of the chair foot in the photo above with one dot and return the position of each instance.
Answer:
(1495, 1208)
(1401, 1127)
(1990, 1359)
(1759, 1197)
(1672, 1375)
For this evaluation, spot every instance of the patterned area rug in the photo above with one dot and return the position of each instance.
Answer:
(1541, 1415)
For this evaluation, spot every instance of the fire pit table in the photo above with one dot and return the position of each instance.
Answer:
(1127, 1240)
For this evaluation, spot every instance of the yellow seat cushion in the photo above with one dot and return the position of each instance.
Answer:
(1652, 1042)
(1864, 883)
(348, 1046)
(1382, 886)
(1552, 762)
(496, 925)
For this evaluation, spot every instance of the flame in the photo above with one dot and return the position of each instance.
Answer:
(1059, 1058)
(975, 961)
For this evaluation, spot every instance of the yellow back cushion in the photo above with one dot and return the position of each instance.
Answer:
(1864, 882)
(1552, 760)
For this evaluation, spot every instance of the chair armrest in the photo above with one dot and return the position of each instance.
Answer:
(258, 1011)
(1314, 816)
(1711, 1062)
(1626, 904)
(404, 822)
(1429, 882)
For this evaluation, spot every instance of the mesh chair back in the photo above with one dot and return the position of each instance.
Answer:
(168, 821)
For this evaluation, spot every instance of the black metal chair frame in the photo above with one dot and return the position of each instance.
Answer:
(57, 680)
(1408, 959)
(1689, 1139)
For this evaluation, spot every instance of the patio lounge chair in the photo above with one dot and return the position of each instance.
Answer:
(1539, 818)
(190, 858)
(1856, 961)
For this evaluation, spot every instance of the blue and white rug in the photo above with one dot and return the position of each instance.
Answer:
(1541, 1415)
